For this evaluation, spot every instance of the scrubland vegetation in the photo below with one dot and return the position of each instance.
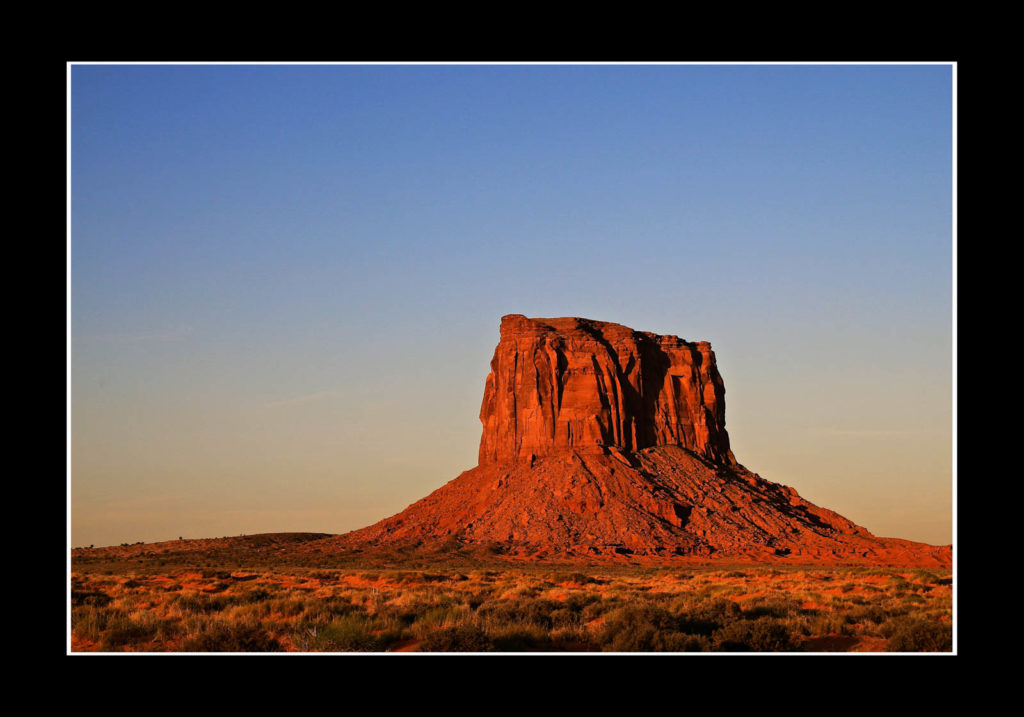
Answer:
(513, 609)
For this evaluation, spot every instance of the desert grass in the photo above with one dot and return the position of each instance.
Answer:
(527, 609)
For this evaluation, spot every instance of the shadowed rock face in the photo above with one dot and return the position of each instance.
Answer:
(577, 384)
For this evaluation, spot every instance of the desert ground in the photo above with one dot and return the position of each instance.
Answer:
(262, 594)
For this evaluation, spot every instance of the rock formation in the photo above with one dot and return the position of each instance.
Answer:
(604, 443)
(558, 384)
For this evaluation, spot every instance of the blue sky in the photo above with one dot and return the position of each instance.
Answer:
(287, 280)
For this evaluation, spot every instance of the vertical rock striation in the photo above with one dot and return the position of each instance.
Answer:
(583, 385)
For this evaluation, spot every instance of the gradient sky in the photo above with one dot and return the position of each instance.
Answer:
(286, 281)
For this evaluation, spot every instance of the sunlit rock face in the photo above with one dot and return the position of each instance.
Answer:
(583, 385)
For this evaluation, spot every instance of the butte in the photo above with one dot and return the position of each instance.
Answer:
(601, 443)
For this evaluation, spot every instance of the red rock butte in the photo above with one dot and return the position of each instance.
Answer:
(604, 443)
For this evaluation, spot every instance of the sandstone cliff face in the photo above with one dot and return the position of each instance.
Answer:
(576, 384)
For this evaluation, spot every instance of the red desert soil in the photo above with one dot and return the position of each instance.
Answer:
(845, 643)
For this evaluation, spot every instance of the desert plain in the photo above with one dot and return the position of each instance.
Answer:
(273, 593)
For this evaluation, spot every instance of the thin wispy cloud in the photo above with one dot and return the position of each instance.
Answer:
(178, 332)
(870, 432)
(306, 398)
